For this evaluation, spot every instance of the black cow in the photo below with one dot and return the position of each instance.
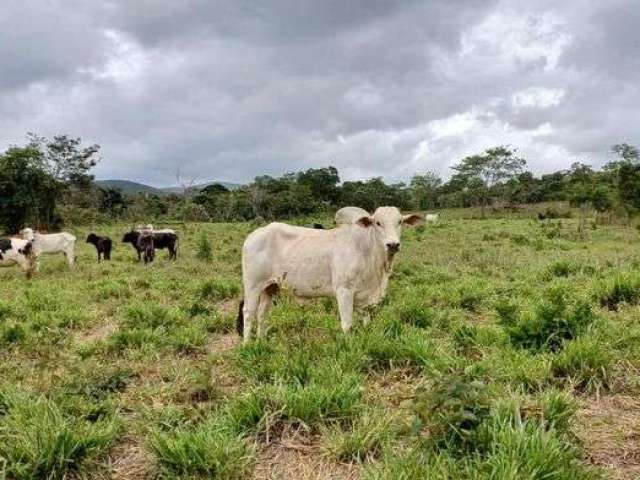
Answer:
(103, 245)
(161, 240)
(146, 245)
(318, 226)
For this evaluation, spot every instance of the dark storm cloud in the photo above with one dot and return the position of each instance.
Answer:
(234, 89)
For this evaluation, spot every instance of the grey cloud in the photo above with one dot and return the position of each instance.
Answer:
(234, 89)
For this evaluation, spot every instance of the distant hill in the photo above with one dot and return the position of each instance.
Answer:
(200, 186)
(131, 188)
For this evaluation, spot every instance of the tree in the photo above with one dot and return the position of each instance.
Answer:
(27, 190)
(112, 202)
(424, 189)
(322, 182)
(627, 152)
(489, 168)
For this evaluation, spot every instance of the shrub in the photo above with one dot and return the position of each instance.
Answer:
(207, 450)
(451, 409)
(555, 319)
(585, 364)
(204, 251)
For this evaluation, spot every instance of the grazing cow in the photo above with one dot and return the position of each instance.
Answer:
(103, 246)
(542, 216)
(161, 239)
(146, 245)
(349, 215)
(352, 263)
(431, 217)
(64, 243)
(317, 226)
(17, 251)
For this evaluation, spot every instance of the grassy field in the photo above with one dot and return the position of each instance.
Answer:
(505, 349)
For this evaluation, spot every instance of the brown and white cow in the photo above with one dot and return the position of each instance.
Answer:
(352, 263)
(16, 251)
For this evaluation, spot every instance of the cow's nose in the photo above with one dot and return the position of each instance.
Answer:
(393, 247)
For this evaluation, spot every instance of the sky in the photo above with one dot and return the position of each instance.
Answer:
(229, 90)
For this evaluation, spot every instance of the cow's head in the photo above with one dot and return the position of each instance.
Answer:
(130, 237)
(92, 238)
(388, 221)
(27, 234)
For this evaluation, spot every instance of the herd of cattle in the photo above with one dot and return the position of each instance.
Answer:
(25, 250)
(351, 262)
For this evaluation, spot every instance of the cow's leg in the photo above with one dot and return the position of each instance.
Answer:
(251, 304)
(266, 300)
(70, 258)
(345, 305)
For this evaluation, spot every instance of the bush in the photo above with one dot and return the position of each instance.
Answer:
(555, 320)
(451, 409)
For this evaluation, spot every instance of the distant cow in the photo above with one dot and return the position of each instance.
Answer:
(146, 245)
(17, 251)
(161, 239)
(349, 215)
(64, 243)
(352, 263)
(317, 226)
(103, 246)
(431, 217)
(542, 216)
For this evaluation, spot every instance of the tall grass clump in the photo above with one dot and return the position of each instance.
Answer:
(207, 450)
(623, 288)
(585, 364)
(218, 289)
(555, 319)
(38, 440)
(204, 250)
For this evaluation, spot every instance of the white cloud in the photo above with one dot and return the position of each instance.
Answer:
(537, 97)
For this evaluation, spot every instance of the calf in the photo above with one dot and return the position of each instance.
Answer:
(17, 251)
(103, 246)
(64, 243)
(352, 263)
(161, 239)
(146, 245)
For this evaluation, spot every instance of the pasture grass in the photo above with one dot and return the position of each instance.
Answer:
(495, 335)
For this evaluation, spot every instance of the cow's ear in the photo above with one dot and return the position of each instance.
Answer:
(412, 219)
(365, 221)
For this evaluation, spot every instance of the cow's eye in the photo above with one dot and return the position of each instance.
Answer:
(378, 224)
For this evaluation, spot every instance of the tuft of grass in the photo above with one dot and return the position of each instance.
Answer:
(364, 440)
(206, 450)
(585, 364)
(218, 289)
(38, 440)
(204, 250)
(623, 288)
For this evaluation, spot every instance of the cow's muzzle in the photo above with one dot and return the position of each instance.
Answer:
(393, 247)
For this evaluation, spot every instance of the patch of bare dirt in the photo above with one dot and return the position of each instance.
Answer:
(296, 457)
(130, 461)
(223, 343)
(98, 332)
(228, 307)
(609, 427)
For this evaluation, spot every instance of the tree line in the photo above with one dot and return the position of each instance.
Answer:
(48, 182)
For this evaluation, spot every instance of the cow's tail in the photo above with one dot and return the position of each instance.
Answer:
(240, 321)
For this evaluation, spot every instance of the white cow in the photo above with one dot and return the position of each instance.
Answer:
(349, 215)
(352, 263)
(431, 217)
(51, 243)
(16, 251)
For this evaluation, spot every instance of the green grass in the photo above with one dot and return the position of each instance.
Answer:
(493, 334)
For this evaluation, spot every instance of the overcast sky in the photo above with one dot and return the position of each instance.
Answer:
(238, 88)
